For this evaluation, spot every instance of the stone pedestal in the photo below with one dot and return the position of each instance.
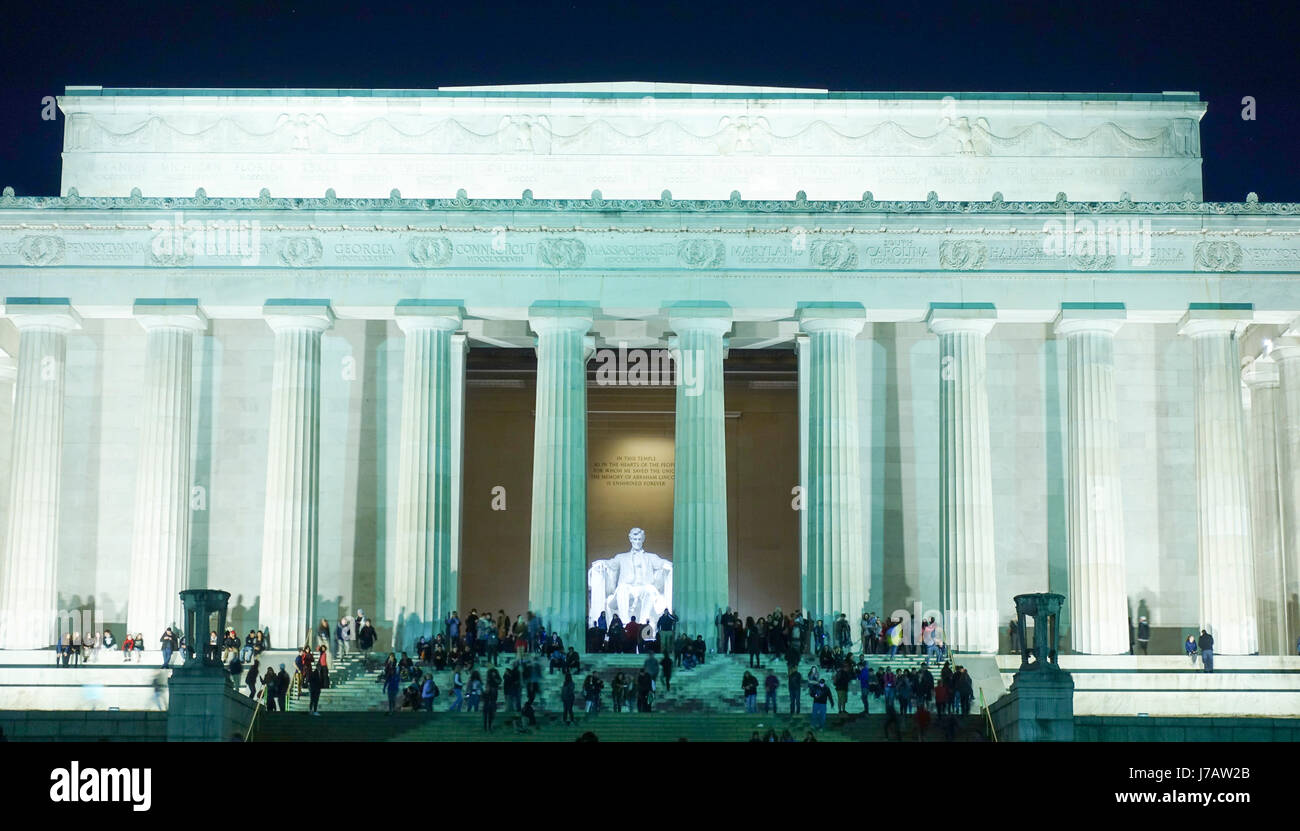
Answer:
(837, 569)
(424, 577)
(701, 587)
(203, 706)
(160, 542)
(1039, 708)
(557, 568)
(290, 532)
(967, 571)
(29, 568)
(1226, 564)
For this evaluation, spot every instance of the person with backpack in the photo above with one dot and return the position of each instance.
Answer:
(428, 692)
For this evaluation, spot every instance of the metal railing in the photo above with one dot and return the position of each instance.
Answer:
(988, 716)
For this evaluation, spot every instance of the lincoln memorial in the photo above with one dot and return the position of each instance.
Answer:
(416, 351)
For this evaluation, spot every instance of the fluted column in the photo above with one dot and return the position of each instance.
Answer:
(424, 580)
(290, 533)
(837, 574)
(160, 541)
(8, 376)
(1261, 379)
(1286, 354)
(557, 574)
(967, 571)
(1095, 507)
(1226, 568)
(28, 573)
(701, 586)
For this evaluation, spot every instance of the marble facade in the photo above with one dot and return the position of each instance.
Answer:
(984, 413)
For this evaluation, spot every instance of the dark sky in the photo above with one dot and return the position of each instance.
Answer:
(1225, 52)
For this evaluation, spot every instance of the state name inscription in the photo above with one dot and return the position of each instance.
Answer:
(633, 470)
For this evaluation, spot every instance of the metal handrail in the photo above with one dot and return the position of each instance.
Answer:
(988, 716)
(257, 708)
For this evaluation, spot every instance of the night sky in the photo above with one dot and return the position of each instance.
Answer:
(1226, 52)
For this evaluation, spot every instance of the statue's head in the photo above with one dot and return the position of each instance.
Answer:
(637, 537)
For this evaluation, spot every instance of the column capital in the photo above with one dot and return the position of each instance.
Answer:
(315, 315)
(548, 318)
(1209, 319)
(418, 314)
(170, 314)
(714, 318)
(832, 317)
(1284, 349)
(1103, 318)
(42, 313)
(1261, 372)
(951, 318)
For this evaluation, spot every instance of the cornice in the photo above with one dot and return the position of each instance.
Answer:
(666, 204)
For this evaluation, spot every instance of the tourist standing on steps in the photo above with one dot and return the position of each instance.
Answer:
(770, 685)
(618, 688)
(794, 685)
(568, 694)
(269, 684)
(864, 686)
(391, 680)
(965, 690)
(1206, 642)
(820, 695)
(1144, 634)
(281, 687)
(667, 623)
(645, 686)
(843, 636)
(428, 692)
(490, 692)
(1013, 636)
(666, 664)
(843, 676)
(749, 686)
(314, 684)
(474, 692)
(251, 679)
(168, 643)
(342, 635)
(754, 641)
(457, 691)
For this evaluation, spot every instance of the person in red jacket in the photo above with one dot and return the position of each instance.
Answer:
(631, 634)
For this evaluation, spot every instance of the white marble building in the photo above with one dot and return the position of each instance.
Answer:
(238, 343)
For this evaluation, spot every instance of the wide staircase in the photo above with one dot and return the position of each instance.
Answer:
(703, 704)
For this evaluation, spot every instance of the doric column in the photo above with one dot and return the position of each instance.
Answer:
(1098, 595)
(424, 577)
(557, 573)
(837, 574)
(1225, 564)
(701, 586)
(160, 541)
(1286, 354)
(290, 533)
(28, 573)
(1261, 379)
(8, 375)
(967, 572)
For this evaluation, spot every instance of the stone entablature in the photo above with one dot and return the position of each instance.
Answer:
(626, 139)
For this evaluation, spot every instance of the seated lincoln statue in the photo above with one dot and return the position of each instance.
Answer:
(635, 583)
